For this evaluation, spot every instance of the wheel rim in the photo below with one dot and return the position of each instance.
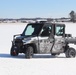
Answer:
(14, 52)
(29, 52)
(72, 53)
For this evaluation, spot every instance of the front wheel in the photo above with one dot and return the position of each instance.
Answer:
(29, 52)
(14, 51)
(70, 53)
(53, 54)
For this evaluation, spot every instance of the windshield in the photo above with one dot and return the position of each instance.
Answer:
(32, 29)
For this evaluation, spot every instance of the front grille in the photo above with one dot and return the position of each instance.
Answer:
(18, 42)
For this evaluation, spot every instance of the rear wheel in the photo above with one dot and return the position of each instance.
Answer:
(70, 53)
(29, 52)
(14, 51)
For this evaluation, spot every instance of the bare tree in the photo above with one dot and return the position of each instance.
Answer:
(72, 16)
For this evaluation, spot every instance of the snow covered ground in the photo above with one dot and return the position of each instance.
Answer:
(40, 64)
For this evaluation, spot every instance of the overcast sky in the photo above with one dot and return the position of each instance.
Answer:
(36, 8)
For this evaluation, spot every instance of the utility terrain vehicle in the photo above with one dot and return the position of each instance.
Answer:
(43, 38)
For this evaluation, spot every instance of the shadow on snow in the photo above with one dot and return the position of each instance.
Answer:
(22, 56)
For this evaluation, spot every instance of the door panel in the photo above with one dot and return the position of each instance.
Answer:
(59, 39)
(46, 38)
(58, 45)
(45, 44)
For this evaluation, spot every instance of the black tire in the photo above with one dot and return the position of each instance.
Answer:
(29, 52)
(70, 53)
(14, 51)
(53, 54)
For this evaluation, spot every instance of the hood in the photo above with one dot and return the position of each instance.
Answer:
(26, 37)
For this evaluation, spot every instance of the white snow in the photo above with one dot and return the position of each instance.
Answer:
(39, 65)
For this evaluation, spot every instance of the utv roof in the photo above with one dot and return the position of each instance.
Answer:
(48, 23)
